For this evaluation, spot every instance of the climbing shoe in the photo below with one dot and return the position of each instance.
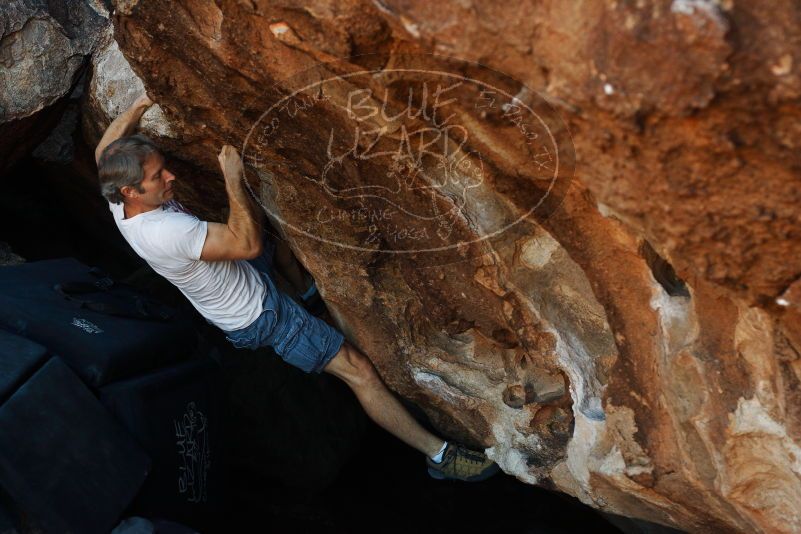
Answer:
(461, 463)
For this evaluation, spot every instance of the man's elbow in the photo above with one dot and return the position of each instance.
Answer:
(254, 250)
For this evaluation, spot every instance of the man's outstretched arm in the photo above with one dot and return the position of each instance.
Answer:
(124, 124)
(240, 238)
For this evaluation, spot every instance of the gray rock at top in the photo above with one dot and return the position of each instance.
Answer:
(43, 45)
(115, 86)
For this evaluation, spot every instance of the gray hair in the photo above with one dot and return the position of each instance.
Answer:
(121, 163)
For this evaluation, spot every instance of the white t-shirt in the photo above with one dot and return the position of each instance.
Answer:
(227, 293)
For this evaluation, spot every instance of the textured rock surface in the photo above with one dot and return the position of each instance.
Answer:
(623, 344)
(43, 48)
(113, 89)
(8, 257)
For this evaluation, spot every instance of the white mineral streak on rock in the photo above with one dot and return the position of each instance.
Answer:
(279, 28)
(383, 8)
(411, 27)
(613, 463)
(690, 7)
(634, 458)
(115, 86)
(568, 294)
(753, 339)
(438, 386)
(98, 7)
(586, 434)
(537, 251)
(751, 418)
(543, 252)
(605, 210)
(701, 10)
(784, 66)
(610, 213)
(761, 463)
(763, 469)
(484, 213)
(607, 449)
(579, 365)
(508, 452)
(676, 319)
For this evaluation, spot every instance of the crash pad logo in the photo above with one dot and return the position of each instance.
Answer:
(87, 326)
(419, 154)
(192, 434)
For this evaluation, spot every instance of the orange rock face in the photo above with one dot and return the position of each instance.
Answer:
(582, 253)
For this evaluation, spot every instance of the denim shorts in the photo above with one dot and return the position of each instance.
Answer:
(301, 339)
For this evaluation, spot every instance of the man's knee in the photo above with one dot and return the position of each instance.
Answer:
(353, 367)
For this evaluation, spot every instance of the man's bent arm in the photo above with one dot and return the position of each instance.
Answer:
(123, 125)
(240, 238)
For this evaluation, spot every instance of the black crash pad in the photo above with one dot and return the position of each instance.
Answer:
(174, 414)
(19, 358)
(63, 458)
(100, 347)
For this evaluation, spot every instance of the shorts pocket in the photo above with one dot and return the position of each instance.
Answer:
(242, 340)
(295, 324)
(311, 351)
(311, 344)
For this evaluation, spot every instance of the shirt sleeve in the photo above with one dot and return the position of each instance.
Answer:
(182, 236)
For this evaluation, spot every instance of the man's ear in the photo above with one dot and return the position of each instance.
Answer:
(129, 192)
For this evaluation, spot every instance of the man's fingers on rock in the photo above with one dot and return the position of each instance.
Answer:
(144, 100)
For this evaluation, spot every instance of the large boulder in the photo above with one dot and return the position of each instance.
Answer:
(44, 48)
(622, 326)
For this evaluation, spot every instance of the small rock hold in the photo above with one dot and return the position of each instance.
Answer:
(552, 420)
(514, 396)
(545, 388)
(283, 32)
(784, 65)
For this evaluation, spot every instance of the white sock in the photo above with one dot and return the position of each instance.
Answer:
(437, 458)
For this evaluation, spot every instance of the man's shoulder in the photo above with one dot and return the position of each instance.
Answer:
(178, 234)
(171, 226)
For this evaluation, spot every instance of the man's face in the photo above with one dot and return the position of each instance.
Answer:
(156, 186)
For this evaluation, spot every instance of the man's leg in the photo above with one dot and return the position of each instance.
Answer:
(311, 350)
(378, 401)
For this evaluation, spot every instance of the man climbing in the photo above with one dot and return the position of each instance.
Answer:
(214, 266)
